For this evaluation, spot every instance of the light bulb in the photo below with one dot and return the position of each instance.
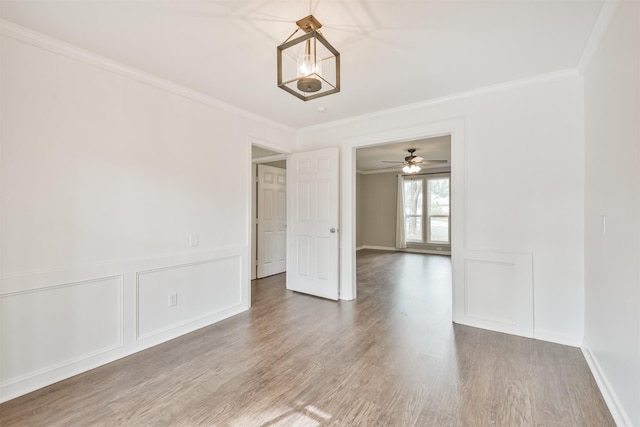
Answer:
(307, 66)
(308, 72)
(411, 168)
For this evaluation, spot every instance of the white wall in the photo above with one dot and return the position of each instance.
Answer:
(104, 178)
(612, 189)
(379, 209)
(523, 182)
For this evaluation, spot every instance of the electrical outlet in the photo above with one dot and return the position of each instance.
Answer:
(194, 240)
(173, 299)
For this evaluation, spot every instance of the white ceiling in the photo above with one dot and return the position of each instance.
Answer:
(370, 159)
(393, 52)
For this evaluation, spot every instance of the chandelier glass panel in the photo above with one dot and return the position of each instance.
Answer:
(308, 66)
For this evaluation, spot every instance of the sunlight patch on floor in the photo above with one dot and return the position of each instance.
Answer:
(308, 416)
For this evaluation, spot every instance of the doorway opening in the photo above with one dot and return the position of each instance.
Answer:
(399, 211)
(268, 211)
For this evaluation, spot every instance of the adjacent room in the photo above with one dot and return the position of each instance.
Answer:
(417, 221)
(320, 213)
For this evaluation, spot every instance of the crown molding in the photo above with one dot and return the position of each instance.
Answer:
(399, 171)
(598, 31)
(378, 171)
(527, 81)
(267, 159)
(268, 145)
(20, 33)
(17, 32)
(427, 169)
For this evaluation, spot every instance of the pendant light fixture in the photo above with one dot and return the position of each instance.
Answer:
(308, 66)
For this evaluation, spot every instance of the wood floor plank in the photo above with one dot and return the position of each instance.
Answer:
(391, 357)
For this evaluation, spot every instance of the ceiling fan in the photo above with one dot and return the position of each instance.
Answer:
(412, 162)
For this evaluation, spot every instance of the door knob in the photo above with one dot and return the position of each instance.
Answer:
(332, 230)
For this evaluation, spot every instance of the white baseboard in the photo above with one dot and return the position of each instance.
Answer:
(611, 399)
(379, 248)
(412, 250)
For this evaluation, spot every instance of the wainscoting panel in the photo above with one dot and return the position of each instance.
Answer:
(496, 292)
(198, 290)
(48, 328)
(490, 291)
(58, 323)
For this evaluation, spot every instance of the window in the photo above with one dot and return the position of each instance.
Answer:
(413, 211)
(426, 209)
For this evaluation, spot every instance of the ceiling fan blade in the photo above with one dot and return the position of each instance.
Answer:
(417, 159)
(388, 161)
(427, 162)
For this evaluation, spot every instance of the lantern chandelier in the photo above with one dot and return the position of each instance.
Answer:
(308, 66)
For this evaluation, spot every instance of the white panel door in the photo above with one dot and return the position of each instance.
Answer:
(312, 264)
(272, 221)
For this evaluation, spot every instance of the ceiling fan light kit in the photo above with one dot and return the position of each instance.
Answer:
(308, 66)
(411, 168)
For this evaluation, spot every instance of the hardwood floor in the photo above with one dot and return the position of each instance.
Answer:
(390, 358)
